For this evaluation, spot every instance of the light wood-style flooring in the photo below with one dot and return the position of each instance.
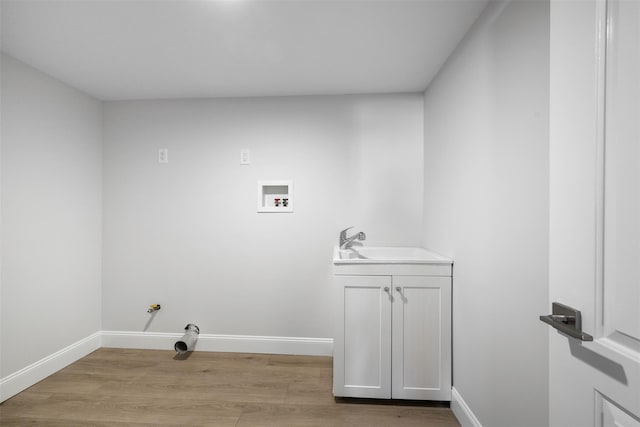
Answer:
(116, 387)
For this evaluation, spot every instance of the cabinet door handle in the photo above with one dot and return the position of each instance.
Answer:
(399, 289)
(386, 289)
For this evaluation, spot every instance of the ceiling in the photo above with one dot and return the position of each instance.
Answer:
(151, 49)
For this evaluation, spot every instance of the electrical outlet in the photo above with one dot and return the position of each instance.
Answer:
(245, 156)
(163, 155)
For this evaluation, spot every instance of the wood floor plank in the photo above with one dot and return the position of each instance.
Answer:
(126, 409)
(117, 387)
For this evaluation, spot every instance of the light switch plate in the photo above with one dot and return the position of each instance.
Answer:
(163, 155)
(245, 156)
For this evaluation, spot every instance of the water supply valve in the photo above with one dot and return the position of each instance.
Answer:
(153, 308)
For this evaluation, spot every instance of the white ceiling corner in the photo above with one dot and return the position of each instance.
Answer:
(150, 49)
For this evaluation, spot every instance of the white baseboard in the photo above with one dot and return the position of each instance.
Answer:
(461, 410)
(30, 375)
(223, 343)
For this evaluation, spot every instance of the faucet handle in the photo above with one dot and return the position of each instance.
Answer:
(343, 236)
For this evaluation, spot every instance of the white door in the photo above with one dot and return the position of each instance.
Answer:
(421, 338)
(595, 210)
(362, 340)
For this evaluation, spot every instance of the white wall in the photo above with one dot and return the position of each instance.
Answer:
(187, 235)
(51, 216)
(486, 206)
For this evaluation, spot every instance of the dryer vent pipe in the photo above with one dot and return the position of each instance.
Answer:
(188, 340)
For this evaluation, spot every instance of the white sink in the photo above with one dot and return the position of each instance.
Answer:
(387, 255)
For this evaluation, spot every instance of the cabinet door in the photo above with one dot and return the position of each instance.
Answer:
(421, 338)
(362, 340)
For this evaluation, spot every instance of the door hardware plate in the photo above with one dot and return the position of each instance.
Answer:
(567, 320)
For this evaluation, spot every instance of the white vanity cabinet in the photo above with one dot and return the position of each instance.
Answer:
(392, 335)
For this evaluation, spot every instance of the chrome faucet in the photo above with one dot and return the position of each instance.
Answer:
(346, 242)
